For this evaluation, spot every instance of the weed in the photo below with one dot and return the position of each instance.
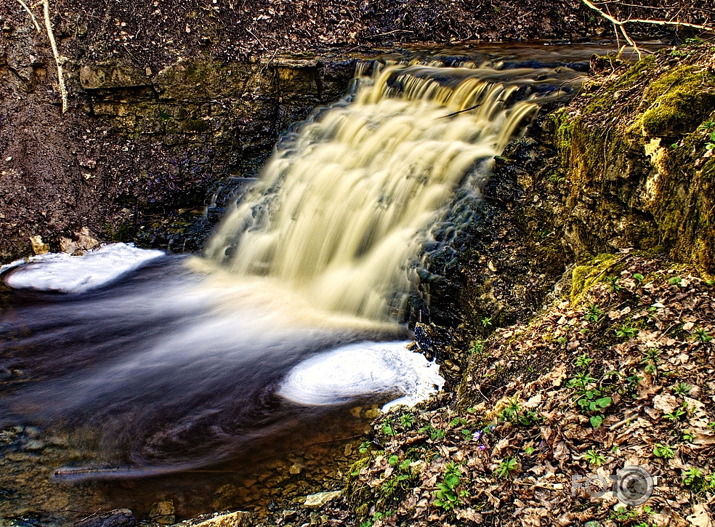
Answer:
(626, 332)
(434, 433)
(594, 458)
(583, 361)
(663, 451)
(710, 145)
(697, 481)
(506, 467)
(675, 280)
(613, 282)
(514, 413)
(651, 360)
(675, 415)
(486, 321)
(447, 495)
(477, 347)
(682, 388)
(703, 336)
(407, 420)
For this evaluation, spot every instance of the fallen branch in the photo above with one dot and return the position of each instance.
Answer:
(55, 52)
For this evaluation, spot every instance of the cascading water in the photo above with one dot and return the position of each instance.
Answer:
(186, 362)
(341, 208)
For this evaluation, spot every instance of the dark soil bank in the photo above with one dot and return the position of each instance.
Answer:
(167, 98)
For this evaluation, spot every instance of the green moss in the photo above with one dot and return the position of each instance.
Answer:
(604, 100)
(677, 102)
(586, 275)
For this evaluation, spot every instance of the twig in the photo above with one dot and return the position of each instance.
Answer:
(620, 24)
(32, 16)
(617, 23)
(55, 52)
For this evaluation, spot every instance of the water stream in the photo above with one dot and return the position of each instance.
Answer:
(296, 313)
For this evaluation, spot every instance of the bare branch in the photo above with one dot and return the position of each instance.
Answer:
(55, 52)
(620, 24)
(32, 16)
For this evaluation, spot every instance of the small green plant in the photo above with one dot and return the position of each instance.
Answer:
(594, 458)
(507, 467)
(675, 415)
(710, 145)
(562, 340)
(688, 436)
(694, 478)
(583, 361)
(477, 347)
(682, 388)
(638, 277)
(447, 495)
(595, 313)
(651, 360)
(378, 516)
(514, 413)
(596, 420)
(435, 434)
(486, 321)
(581, 381)
(703, 336)
(613, 282)
(626, 332)
(663, 451)
(622, 514)
(407, 420)
(675, 280)
(388, 430)
(458, 421)
(529, 450)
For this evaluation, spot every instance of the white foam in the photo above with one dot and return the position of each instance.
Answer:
(60, 272)
(359, 370)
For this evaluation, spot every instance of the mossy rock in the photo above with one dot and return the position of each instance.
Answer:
(678, 102)
(584, 276)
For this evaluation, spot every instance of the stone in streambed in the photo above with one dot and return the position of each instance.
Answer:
(115, 518)
(319, 499)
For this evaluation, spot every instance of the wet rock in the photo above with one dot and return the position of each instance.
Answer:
(231, 519)
(315, 501)
(115, 518)
(38, 246)
(163, 512)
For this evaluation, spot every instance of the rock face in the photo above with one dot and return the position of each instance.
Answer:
(637, 156)
(138, 149)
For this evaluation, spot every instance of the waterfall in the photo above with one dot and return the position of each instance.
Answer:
(341, 208)
(296, 310)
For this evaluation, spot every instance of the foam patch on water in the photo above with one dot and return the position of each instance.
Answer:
(358, 370)
(62, 273)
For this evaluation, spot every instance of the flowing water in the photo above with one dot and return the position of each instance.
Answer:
(295, 314)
